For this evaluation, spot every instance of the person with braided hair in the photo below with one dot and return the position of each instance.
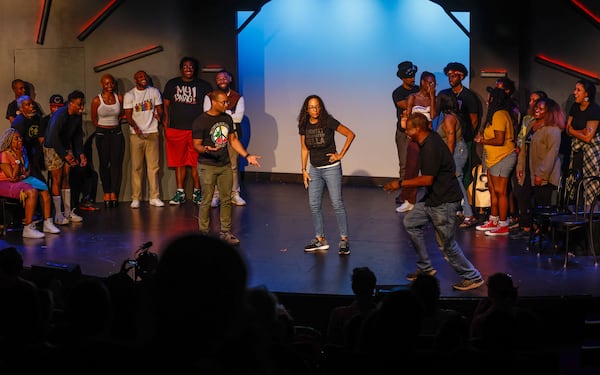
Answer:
(15, 182)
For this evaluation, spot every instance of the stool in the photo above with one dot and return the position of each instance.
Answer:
(11, 210)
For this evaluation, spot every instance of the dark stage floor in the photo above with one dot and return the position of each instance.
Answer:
(275, 226)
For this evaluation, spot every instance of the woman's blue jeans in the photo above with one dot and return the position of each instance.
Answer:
(461, 155)
(332, 178)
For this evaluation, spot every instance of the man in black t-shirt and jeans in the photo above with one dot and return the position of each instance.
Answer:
(438, 206)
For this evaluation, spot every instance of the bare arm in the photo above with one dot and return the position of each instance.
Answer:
(199, 147)
(94, 110)
(449, 126)
(498, 139)
(402, 104)
(166, 104)
(418, 181)
(586, 134)
(473, 117)
(131, 121)
(239, 148)
(304, 160)
(410, 104)
(159, 113)
(349, 134)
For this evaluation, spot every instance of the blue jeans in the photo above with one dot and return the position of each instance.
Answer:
(332, 177)
(461, 154)
(443, 218)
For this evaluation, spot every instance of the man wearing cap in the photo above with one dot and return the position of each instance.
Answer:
(28, 124)
(63, 149)
(469, 107)
(406, 72)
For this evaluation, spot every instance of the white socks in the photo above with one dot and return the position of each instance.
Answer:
(66, 197)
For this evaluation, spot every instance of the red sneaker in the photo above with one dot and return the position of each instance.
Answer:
(500, 231)
(88, 207)
(487, 226)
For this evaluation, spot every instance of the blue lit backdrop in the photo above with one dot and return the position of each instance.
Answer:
(347, 52)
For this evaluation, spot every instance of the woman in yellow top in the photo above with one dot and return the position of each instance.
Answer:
(498, 141)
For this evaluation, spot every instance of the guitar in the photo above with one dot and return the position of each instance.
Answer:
(478, 192)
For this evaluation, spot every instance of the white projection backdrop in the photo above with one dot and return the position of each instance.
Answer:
(347, 52)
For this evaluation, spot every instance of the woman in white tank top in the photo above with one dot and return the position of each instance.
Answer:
(110, 143)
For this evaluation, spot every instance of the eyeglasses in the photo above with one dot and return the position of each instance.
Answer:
(314, 107)
(224, 102)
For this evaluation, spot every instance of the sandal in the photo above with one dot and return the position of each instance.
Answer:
(468, 222)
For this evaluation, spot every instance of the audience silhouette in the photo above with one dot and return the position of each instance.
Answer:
(197, 314)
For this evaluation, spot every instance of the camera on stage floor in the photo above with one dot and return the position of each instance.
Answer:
(144, 263)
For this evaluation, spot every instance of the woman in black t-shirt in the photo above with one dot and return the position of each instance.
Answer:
(582, 126)
(317, 138)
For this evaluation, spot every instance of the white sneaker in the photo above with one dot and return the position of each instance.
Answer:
(135, 204)
(30, 231)
(237, 200)
(215, 201)
(405, 207)
(49, 226)
(59, 219)
(156, 202)
(73, 217)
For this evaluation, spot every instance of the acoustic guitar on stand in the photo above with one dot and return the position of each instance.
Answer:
(478, 192)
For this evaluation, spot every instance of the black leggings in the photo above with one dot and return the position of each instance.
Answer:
(111, 150)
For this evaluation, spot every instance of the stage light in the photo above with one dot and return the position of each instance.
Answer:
(567, 68)
(212, 68)
(43, 22)
(93, 23)
(128, 58)
(493, 73)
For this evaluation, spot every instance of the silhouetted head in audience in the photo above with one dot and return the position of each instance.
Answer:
(363, 282)
(270, 314)
(391, 329)
(501, 289)
(427, 289)
(200, 284)
(11, 263)
(88, 308)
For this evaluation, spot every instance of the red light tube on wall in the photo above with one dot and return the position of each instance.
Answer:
(43, 21)
(94, 22)
(586, 11)
(128, 58)
(567, 68)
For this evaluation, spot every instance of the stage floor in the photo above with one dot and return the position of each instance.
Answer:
(275, 226)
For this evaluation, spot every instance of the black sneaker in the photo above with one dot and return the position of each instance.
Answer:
(413, 276)
(229, 238)
(468, 284)
(344, 247)
(520, 235)
(316, 244)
